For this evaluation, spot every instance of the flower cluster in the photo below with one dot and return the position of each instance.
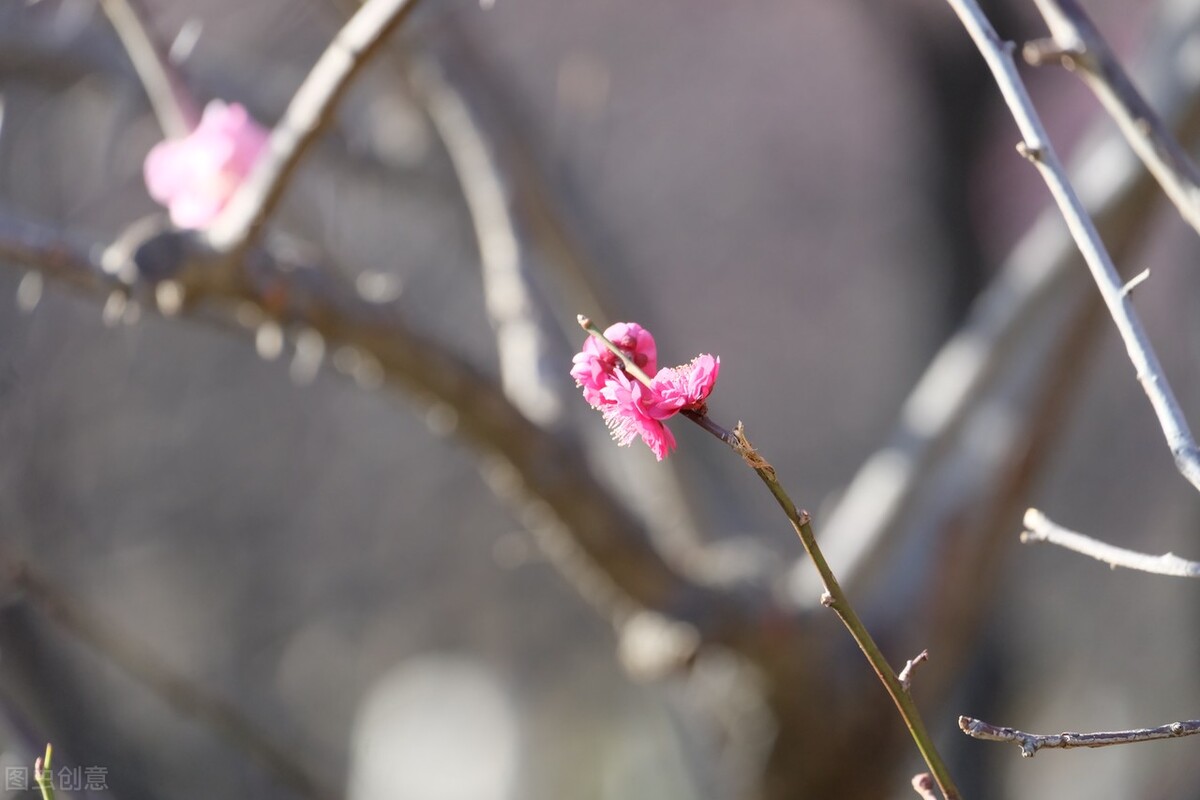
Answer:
(632, 408)
(195, 176)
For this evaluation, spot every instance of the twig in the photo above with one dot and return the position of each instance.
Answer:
(173, 104)
(910, 667)
(1000, 332)
(1078, 45)
(176, 690)
(922, 784)
(1030, 743)
(1041, 529)
(833, 598)
(1037, 149)
(312, 105)
(42, 774)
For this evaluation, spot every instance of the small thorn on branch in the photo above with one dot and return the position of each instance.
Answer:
(1134, 282)
(910, 667)
(1029, 153)
(1039, 52)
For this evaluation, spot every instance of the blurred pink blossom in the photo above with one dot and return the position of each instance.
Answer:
(195, 176)
(631, 408)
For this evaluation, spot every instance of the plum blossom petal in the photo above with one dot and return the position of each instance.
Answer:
(688, 386)
(634, 410)
(594, 366)
(195, 176)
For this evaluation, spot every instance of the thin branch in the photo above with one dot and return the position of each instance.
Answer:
(834, 597)
(837, 600)
(173, 104)
(1079, 46)
(1030, 743)
(310, 108)
(1000, 335)
(148, 668)
(1041, 529)
(507, 287)
(1037, 149)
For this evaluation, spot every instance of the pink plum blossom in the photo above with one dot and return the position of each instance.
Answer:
(633, 409)
(195, 176)
(690, 385)
(596, 364)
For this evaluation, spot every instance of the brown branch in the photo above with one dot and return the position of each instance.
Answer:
(603, 549)
(1030, 743)
(1078, 45)
(1041, 529)
(310, 108)
(173, 104)
(178, 691)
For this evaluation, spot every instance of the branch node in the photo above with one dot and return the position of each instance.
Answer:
(910, 667)
(751, 456)
(1039, 52)
(1134, 282)
(1030, 153)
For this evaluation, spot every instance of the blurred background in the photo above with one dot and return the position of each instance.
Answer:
(816, 191)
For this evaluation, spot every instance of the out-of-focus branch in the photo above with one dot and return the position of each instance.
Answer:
(508, 292)
(311, 106)
(1078, 46)
(1041, 528)
(1030, 743)
(182, 694)
(1037, 149)
(173, 103)
(604, 551)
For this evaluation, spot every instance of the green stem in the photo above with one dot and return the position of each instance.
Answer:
(836, 599)
(43, 776)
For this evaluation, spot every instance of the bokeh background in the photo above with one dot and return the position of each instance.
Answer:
(814, 190)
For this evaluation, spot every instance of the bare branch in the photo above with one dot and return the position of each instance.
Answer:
(603, 550)
(511, 306)
(310, 108)
(1078, 45)
(1041, 529)
(177, 690)
(1030, 743)
(173, 104)
(1037, 149)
